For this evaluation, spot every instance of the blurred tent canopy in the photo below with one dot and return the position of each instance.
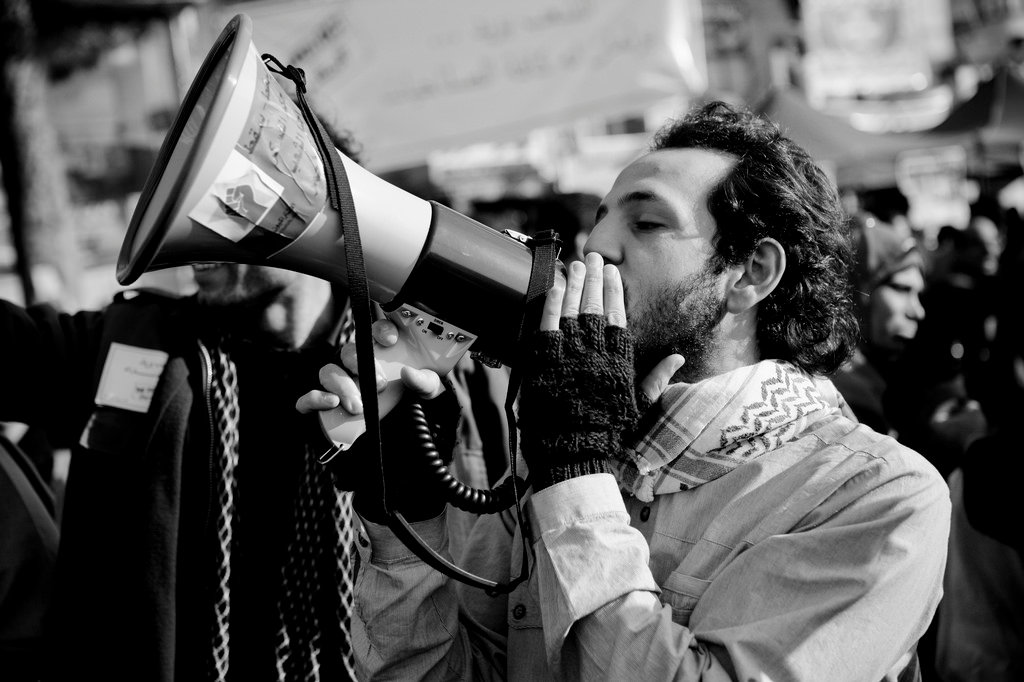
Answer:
(993, 121)
(859, 159)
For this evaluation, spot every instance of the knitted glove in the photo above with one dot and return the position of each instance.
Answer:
(578, 399)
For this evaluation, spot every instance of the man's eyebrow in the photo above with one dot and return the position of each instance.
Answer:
(634, 197)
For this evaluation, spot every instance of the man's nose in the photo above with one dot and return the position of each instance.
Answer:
(602, 241)
(915, 310)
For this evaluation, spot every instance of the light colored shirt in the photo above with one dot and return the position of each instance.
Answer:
(822, 559)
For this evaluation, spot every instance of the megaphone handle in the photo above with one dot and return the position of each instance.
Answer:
(343, 428)
(424, 342)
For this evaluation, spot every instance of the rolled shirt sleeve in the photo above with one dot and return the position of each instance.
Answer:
(600, 601)
(591, 554)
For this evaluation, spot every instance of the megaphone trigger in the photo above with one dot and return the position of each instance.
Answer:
(424, 342)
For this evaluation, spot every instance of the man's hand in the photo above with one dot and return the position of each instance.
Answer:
(341, 382)
(400, 445)
(596, 288)
(580, 394)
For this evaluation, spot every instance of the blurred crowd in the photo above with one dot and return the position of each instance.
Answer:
(941, 368)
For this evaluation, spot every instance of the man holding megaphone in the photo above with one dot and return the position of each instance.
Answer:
(703, 506)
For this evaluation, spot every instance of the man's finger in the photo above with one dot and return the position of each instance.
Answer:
(553, 305)
(573, 289)
(423, 382)
(592, 299)
(336, 380)
(655, 383)
(614, 299)
(316, 401)
(385, 332)
(350, 361)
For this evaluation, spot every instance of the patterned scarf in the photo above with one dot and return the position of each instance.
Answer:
(319, 572)
(706, 429)
(317, 579)
(317, 576)
(224, 397)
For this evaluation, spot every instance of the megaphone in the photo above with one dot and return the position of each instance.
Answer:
(239, 179)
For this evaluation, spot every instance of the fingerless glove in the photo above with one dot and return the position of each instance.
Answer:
(578, 399)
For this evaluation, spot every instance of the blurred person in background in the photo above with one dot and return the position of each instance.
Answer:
(981, 617)
(889, 383)
(955, 342)
(701, 508)
(888, 278)
(186, 490)
(890, 206)
(884, 384)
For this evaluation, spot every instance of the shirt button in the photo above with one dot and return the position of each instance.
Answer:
(645, 513)
(518, 611)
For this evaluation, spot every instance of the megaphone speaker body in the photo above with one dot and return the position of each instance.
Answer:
(239, 178)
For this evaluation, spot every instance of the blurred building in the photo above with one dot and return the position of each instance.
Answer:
(880, 66)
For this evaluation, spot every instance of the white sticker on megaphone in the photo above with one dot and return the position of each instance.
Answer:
(239, 200)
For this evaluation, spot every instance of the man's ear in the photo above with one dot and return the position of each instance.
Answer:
(757, 277)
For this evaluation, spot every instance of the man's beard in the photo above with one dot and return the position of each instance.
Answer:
(679, 319)
(240, 289)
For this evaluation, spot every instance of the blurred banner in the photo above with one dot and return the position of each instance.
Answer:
(936, 186)
(408, 77)
(873, 47)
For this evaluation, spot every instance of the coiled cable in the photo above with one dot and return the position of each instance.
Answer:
(457, 493)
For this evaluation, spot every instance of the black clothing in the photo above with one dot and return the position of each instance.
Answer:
(135, 571)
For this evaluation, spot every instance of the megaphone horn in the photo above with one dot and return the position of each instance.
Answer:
(239, 179)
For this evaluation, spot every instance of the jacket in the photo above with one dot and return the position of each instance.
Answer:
(134, 575)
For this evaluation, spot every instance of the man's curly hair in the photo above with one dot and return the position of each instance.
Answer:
(776, 190)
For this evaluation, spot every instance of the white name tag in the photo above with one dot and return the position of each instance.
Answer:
(130, 375)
